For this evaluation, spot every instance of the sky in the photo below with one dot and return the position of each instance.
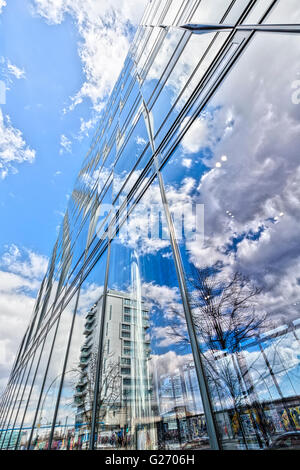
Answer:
(59, 60)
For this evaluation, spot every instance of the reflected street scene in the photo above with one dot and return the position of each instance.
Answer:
(169, 316)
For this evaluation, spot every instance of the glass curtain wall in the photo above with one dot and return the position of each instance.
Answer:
(169, 314)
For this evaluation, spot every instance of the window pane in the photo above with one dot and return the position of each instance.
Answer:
(153, 402)
(30, 416)
(239, 162)
(73, 422)
(285, 11)
(54, 367)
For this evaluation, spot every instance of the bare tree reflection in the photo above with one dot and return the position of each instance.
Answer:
(83, 383)
(225, 315)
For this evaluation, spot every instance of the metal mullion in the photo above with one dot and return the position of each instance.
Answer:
(180, 11)
(11, 388)
(128, 90)
(266, 28)
(133, 108)
(234, 2)
(90, 268)
(132, 171)
(164, 11)
(208, 95)
(128, 78)
(128, 212)
(200, 370)
(50, 312)
(124, 209)
(168, 70)
(42, 343)
(202, 380)
(98, 377)
(276, 28)
(146, 12)
(245, 12)
(192, 99)
(65, 363)
(112, 139)
(12, 406)
(128, 135)
(148, 32)
(46, 373)
(216, 85)
(6, 396)
(153, 10)
(192, 9)
(23, 391)
(93, 252)
(55, 311)
(195, 70)
(63, 372)
(153, 53)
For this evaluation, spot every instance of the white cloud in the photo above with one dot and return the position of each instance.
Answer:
(259, 178)
(16, 71)
(86, 126)
(13, 148)
(197, 136)
(140, 141)
(66, 144)
(168, 363)
(2, 5)
(105, 28)
(33, 267)
(187, 162)
(21, 271)
(163, 297)
(165, 337)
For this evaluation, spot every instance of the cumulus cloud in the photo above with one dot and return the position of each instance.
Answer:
(249, 176)
(15, 71)
(165, 298)
(33, 267)
(2, 5)
(65, 144)
(197, 136)
(21, 271)
(164, 337)
(187, 162)
(86, 126)
(169, 362)
(13, 148)
(105, 29)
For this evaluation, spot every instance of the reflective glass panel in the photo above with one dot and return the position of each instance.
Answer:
(232, 186)
(148, 394)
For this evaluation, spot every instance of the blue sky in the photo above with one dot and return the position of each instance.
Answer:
(36, 196)
(59, 61)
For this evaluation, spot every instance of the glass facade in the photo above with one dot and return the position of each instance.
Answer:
(169, 314)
